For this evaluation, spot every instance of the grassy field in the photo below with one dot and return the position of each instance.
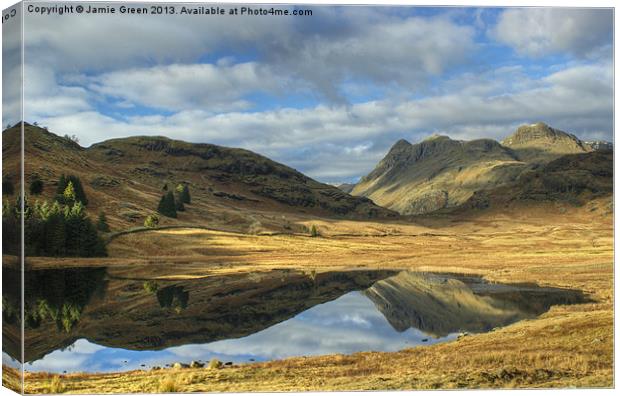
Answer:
(563, 247)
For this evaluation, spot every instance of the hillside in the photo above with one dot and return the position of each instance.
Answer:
(440, 173)
(231, 188)
(573, 178)
(436, 173)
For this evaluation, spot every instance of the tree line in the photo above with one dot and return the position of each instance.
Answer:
(59, 227)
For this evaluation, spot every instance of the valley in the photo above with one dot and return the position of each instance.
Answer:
(507, 219)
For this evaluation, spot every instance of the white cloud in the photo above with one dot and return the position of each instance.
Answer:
(214, 88)
(45, 97)
(335, 45)
(544, 31)
(339, 142)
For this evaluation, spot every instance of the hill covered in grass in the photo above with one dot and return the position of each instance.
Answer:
(231, 188)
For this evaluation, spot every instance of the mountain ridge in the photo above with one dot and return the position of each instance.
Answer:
(439, 172)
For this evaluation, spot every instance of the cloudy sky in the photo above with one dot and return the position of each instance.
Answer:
(327, 94)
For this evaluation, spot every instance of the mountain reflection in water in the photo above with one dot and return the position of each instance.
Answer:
(88, 320)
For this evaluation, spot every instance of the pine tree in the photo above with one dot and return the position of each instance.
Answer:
(55, 233)
(167, 206)
(62, 184)
(68, 194)
(78, 190)
(183, 190)
(314, 232)
(7, 187)
(102, 223)
(36, 186)
(179, 204)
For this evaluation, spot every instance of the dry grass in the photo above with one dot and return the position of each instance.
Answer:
(168, 384)
(567, 346)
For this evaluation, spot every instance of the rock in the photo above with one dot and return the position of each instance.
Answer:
(104, 181)
(214, 364)
(195, 364)
(179, 365)
(228, 364)
(130, 215)
(155, 368)
(429, 202)
(424, 339)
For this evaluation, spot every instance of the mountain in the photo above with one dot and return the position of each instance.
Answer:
(346, 187)
(572, 178)
(436, 173)
(540, 143)
(230, 187)
(440, 173)
(599, 145)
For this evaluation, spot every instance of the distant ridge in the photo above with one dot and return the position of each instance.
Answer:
(440, 172)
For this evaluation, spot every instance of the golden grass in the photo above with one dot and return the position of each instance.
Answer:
(168, 384)
(567, 346)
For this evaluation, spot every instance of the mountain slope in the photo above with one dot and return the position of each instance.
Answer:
(572, 178)
(440, 173)
(436, 173)
(231, 189)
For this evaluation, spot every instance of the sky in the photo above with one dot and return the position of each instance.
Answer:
(326, 94)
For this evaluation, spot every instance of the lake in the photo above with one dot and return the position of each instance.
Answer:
(92, 320)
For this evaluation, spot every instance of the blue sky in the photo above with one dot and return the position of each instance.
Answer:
(326, 94)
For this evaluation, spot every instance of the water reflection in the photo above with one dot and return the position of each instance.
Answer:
(89, 320)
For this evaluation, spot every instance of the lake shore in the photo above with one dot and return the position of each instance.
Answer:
(565, 347)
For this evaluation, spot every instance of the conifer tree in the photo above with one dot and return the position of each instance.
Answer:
(102, 223)
(7, 187)
(36, 186)
(167, 206)
(78, 190)
(69, 194)
(183, 190)
(179, 204)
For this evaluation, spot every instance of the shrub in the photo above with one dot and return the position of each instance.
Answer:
(150, 286)
(168, 384)
(151, 221)
(214, 364)
(314, 232)
(56, 386)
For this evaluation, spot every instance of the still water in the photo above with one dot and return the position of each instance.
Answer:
(85, 320)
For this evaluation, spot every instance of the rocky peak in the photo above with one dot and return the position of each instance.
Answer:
(538, 132)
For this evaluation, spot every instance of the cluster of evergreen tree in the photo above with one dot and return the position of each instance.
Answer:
(70, 190)
(171, 203)
(59, 228)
